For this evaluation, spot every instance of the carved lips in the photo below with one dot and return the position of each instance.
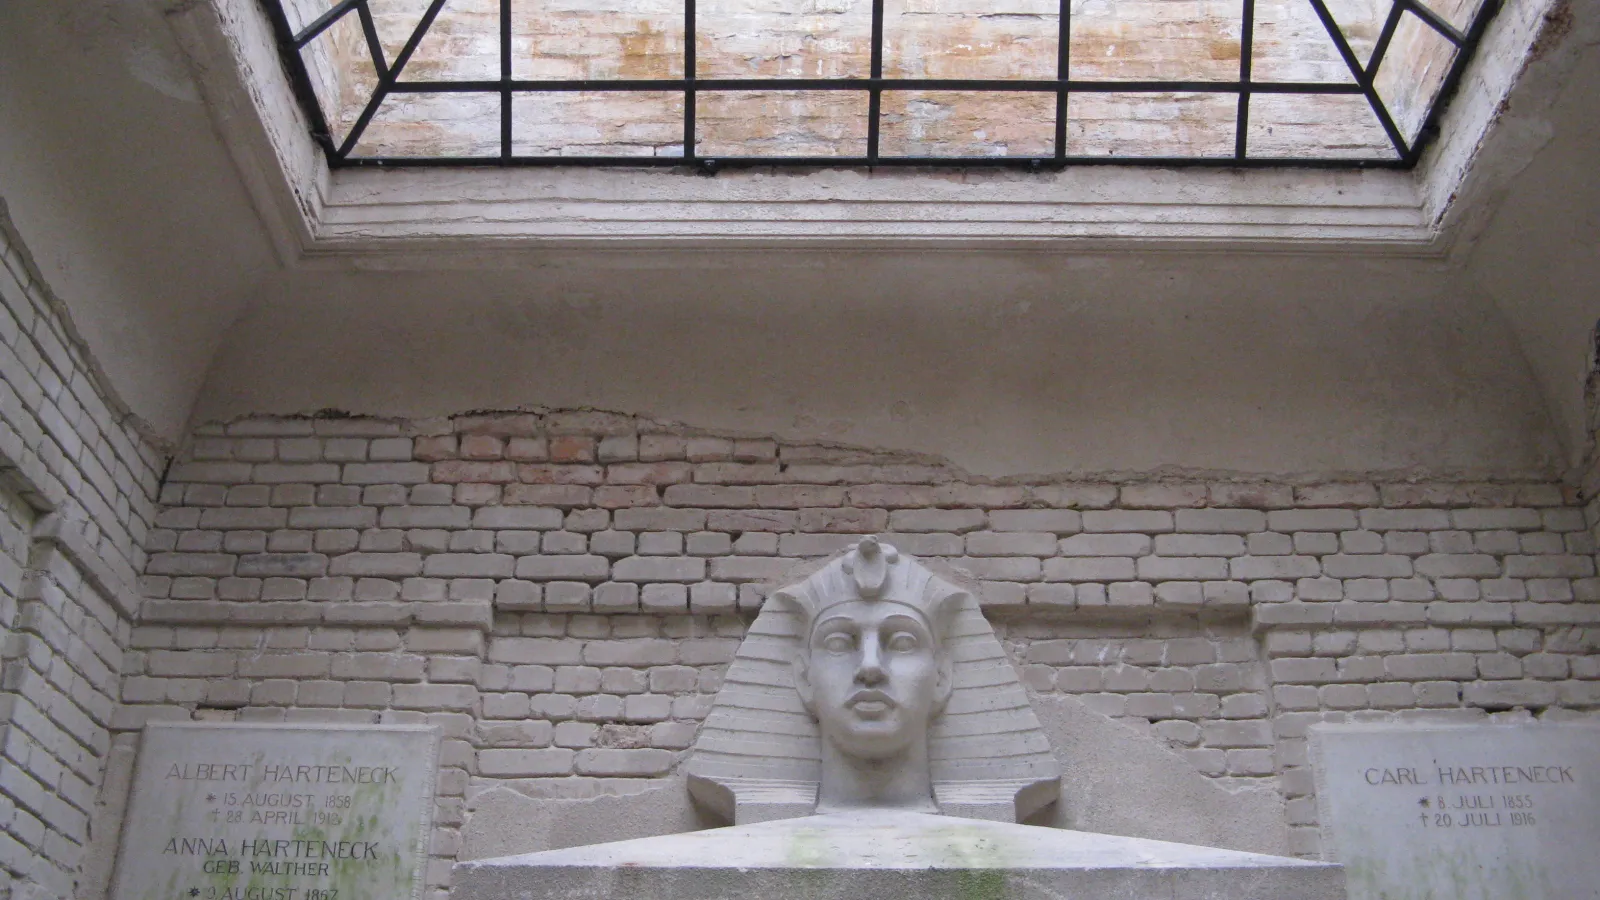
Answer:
(871, 704)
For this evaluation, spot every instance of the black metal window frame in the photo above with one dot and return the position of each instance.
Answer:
(390, 82)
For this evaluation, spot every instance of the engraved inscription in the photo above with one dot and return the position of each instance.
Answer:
(231, 812)
(1461, 812)
(1472, 809)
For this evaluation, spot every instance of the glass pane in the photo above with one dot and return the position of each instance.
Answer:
(1316, 126)
(432, 125)
(783, 38)
(1127, 124)
(970, 38)
(1459, 13)
(944, 123)
(301, 13)
(1413, 69)
(394, 21)
(1156, 40)
(564, 39)
(1361, 21)
(1290, 43)
(462, 44)
(597, 123)
(781, 123)
(341, 73)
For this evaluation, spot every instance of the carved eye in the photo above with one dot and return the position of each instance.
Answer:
(838, 642)
(904, 642)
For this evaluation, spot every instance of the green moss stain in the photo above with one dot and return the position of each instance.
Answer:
(982, 884)
(979, 859)
(969, 862)
(809, 849)
(1442, 874)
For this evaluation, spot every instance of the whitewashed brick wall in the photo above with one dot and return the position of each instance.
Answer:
(77, 493)
(563, 591)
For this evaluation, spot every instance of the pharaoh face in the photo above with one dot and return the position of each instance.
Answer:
(873, 675)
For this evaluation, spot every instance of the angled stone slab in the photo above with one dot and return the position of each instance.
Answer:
(888, 854)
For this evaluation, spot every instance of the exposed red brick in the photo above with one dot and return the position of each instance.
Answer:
(567, 448)
(457, 471)
(537, 473)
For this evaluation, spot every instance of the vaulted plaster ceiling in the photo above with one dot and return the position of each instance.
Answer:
(1460, 354)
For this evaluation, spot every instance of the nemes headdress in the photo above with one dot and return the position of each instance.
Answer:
(875, 572)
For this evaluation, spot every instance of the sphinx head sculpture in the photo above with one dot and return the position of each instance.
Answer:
(871, 680)
(874, 671)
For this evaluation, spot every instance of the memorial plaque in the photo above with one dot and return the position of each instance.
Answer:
(278, 812)
(1480, 812)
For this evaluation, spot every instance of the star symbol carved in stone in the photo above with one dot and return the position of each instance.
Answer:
(194, 892)
(211, 798)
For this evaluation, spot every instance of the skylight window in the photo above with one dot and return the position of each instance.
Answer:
(876, 82)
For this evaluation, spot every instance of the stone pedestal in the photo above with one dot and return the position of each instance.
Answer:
(886, 855)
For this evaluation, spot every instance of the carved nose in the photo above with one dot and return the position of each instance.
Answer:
(871, 669)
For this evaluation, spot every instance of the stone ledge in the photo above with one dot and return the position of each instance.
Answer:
(113, 582)
(889, 854)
